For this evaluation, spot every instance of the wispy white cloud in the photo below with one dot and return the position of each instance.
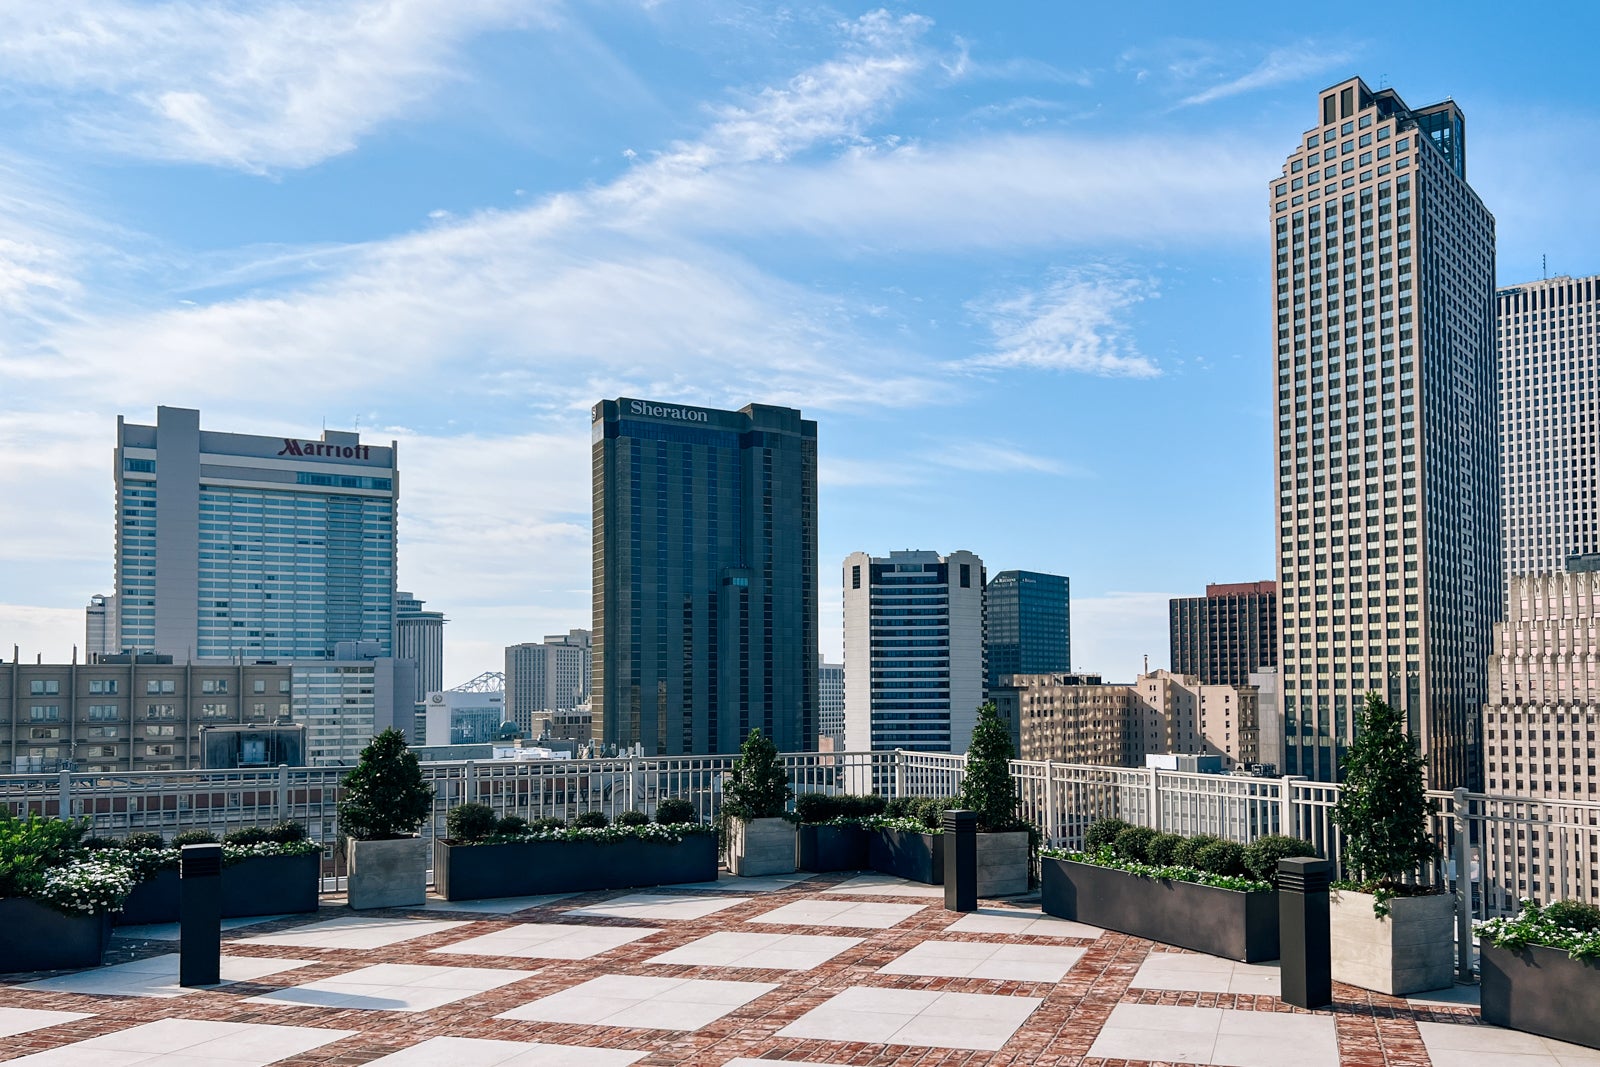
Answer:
(1281, 65)
(1076, 323)
(1113, 632)
(998, 457)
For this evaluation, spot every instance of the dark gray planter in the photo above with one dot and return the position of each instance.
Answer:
(39, 938)
(909, 855)
(1538, 990)
(261, 885)
(154, 900)
(1219, 922)
(833, 848)
(478, 872)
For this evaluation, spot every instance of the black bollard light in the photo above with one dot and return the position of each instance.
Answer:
(960, 860)
(1305, 943)
(200, 915)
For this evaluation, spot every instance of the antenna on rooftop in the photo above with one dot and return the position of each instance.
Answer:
(1544, 265)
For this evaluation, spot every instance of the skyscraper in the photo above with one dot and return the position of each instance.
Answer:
(1549, 471)
(705, 576)
(419, 636)
(1224, 636)
(830, 701)
(1388, 506)
(913, 650)
(235, 546)
(553, 676)
(100, 628)
(1030, 624)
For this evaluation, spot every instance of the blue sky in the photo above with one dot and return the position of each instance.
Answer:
(1013, 258)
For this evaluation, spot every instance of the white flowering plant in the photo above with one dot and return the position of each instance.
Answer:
(42, 859)
(604, 835)
(1570, 925)
(89, 886)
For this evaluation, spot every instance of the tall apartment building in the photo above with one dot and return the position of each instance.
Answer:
(1549, 470)
(100, 636)
(1220, 638)
(913, 650)
(1030, 624)
(705, 577)
(549, 677)
(1388, 530)
(237, 547)
(830, 701)
(419, 636)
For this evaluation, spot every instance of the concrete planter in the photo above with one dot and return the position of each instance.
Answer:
(387, 874)
(761, 846)
(907, 854)
(1002, 864)
(1539, 990)
(1410, 951)
(39, 938)
(1219, 922)
(832, 848)
(523, 869)
(261, 885)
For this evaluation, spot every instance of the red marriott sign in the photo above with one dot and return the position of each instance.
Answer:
(320, 448)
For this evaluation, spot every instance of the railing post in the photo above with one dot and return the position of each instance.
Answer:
(899, 772)
(283, 792)
(1049, 803)
(64, 794)
(635, 781)
(1286, 806)
(468, 777)
(1153, 817)
(1463, 864)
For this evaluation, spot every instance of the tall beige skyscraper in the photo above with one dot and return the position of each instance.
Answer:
(1388, 536)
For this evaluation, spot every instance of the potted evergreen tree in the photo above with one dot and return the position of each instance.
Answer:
(988, 789)
(385, 802)
(754, 797)
(1388, 935)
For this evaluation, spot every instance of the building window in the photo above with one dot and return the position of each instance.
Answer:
(100, 686)
(44, 713)
(161, 711)
(260, 685)
(103, 712)
(213, 711)
(160, 685)
(214, 685)
(44, 687)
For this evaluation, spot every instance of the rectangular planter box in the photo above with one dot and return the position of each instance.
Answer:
(1003, 864)
(761, 846)
(1538, 990)
(479, 872)
(1411, 951)
(1219, 922)
(152, 901)
(39, 938)
(262, 885)
(832, 848)
(905, 854)
(387, 874)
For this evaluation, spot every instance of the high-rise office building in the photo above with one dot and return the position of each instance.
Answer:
(100, 628)
(830, 701)
(1549, 470)
(705, 577)
(549, 677)
(231, 546)
(1030, 624)
(1222, 637)
(419, 636)
(1388, 531)
(913, 650)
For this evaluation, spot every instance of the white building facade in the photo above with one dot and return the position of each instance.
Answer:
(552, 676)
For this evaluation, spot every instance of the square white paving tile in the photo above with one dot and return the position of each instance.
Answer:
(971, 959)
(1206, 974)
(188, 1042)
(887, 885)
(732, 883)
(642, 1003)
(1029, 922)
(1458, 996)
(550, 941)
(394, 987)
(480, 1052)
(158, 976)
(21, 1020)
(169, 931)
(787, 952)
(354, 931)
(495, 905)
(1455, 1045)
(659, 906)
(915, 1017)
(1219, 1036)
(822, 912)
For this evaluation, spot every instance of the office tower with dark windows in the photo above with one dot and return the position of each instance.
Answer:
(913, 651)
(236, 547)
(705, 577)
(1228, 634)
(1549, 471)
(1030, 624)
(1388, 517)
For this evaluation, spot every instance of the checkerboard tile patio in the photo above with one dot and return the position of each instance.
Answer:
(796, 1015)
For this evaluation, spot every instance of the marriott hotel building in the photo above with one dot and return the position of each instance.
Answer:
(705, 577)
(236, 547)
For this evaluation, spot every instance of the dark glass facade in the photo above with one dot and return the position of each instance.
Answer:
(1222, 637)
(1030, 624)
(705, 577)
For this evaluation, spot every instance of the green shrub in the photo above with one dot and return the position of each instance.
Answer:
(825, 807)
(675, 810)
(1221, 857)
(385, 796)
(987, 788)
(470, 822)
(1162, 849)
(247, 835)
(511, 826)
(145, 841)
(193, 837)
(287, 832)
(930, 810)
(99, 844)
(901, 808)
(1574, 915)
(1133, 843)
(1261, 856)
(1188, 852)
(591, 820)
(757, 786)
(1101, 833)
(633, 818)
(547, 823)
(30, 847)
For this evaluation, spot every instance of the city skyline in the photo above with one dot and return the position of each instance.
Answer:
(267, 271)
